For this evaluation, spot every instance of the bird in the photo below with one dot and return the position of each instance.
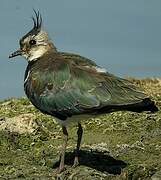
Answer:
(72, 88)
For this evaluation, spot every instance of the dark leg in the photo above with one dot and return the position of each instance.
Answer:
(62, 156)
(79, 133)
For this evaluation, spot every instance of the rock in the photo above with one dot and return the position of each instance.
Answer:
(21, 124)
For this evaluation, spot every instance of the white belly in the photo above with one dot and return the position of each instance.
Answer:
(74, 119)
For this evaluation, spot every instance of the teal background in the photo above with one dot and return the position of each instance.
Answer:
(122, 36)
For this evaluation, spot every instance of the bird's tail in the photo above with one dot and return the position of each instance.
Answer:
(145, 105)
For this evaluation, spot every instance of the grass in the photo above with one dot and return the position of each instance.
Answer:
(120, 145)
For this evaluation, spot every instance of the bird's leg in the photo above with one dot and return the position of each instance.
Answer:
(79, 133)
(62, 156)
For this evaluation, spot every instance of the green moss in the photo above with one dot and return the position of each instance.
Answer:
(120, 145)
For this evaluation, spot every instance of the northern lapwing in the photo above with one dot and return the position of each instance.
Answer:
(72, 88)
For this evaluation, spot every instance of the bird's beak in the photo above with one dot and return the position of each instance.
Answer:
(16, 53)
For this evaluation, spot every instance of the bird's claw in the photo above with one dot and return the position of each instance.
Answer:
(59, 170)
(76, 162)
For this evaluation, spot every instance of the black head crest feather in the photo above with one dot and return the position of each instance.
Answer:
(37, 20)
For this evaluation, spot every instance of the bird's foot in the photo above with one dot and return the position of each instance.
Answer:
(59, 170)
(76, 162)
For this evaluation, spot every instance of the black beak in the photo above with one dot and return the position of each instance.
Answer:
(16, 53)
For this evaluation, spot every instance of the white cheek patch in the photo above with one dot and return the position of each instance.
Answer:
(36, 53)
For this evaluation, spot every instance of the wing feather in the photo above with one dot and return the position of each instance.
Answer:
(75, 89)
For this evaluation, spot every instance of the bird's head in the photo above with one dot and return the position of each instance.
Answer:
(35, 43)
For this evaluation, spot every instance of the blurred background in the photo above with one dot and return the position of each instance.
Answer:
(122, 36)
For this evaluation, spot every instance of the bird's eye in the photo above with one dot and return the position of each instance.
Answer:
(32, 42)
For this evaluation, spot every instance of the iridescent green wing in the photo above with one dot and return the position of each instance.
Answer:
(76, 88)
